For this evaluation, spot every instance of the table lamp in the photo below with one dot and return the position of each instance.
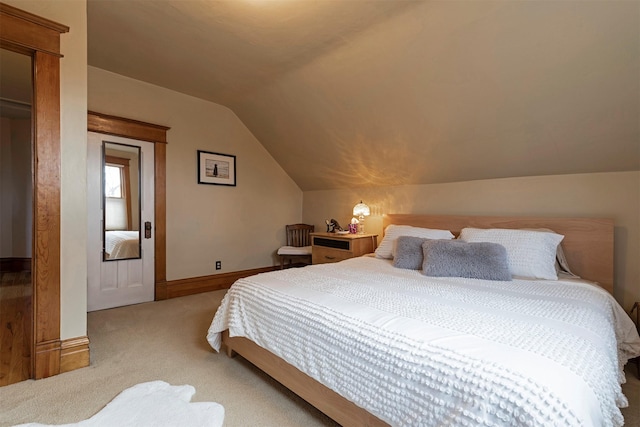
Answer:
(361, 210)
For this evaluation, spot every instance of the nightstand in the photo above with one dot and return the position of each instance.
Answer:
(334, 247)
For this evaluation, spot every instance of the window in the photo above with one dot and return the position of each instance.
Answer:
(113, 177)
(117, 200)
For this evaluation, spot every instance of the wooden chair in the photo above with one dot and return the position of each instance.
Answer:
(298, 247)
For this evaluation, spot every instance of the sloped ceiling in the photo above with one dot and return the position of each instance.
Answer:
(372, 92)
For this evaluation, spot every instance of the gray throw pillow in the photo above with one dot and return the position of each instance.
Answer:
(408, 252)
(475, 260)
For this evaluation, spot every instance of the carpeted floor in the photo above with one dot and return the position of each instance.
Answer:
(162, 340)
(166, 341)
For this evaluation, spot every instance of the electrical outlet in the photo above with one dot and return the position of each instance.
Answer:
(218, 265)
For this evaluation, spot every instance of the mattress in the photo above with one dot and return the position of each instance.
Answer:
(421, 351)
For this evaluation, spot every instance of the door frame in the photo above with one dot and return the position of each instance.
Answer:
(157, 134)
(39, 38)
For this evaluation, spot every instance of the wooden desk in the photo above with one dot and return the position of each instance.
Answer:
(334, 247)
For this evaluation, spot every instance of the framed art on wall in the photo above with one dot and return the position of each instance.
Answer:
(216, 168)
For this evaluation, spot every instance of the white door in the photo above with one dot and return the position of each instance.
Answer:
(114, 283)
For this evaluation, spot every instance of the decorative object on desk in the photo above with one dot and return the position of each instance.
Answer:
(332, 225)
(216, 168)
(353, 227)
(361, 210)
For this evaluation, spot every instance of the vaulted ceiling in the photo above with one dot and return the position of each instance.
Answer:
(374, 92)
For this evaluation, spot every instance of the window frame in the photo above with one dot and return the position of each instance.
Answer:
(110, 160)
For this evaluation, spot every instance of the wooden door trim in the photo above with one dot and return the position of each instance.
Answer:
(30, 32)
(46, 251)
(39, 38)
(74, 354)
(157, 134)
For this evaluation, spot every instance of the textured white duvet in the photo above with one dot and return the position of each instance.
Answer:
(422, 351)
(122, 244)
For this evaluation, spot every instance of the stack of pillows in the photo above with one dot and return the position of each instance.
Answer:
(488, 254)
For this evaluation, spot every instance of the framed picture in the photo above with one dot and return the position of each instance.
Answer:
(216, 168)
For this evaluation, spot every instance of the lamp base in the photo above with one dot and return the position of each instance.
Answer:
(361, 224)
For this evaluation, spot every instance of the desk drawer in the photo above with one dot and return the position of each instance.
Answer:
(332, 243)
(322, 255)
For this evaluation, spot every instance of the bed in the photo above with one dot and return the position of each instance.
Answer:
(368, 343)
(120, 244)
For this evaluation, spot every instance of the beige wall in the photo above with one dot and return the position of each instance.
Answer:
(241, 226)
(73, 112)
(602, 195)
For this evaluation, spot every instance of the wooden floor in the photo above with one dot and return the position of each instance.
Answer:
(15, 326)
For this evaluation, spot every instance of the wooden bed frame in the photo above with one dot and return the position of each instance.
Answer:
(588, 247)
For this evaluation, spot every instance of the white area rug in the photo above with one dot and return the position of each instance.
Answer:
(155, 403)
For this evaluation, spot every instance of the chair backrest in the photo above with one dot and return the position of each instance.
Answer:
(298, 235)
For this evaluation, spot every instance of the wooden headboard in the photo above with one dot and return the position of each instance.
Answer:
(587, 243)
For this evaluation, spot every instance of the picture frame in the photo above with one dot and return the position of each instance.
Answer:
(216, 168)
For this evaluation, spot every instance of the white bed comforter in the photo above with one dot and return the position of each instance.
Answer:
(122, 244)
(420, 351)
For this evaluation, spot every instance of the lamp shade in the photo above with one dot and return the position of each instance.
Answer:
(361, 209)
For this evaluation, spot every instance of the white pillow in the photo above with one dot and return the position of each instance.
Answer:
(531, 254)
(562, 265)
(392, 232)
